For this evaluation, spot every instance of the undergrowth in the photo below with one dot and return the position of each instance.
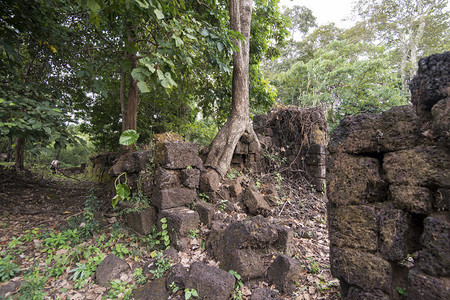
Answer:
(74, 252)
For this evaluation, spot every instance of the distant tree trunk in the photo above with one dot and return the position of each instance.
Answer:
(9, 152)
(224, 144)
(20, 153)
(131, 109)
(123, 78)
(132, 99)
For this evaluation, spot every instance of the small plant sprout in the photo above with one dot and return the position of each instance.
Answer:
(203, 197)
(123, 192)
(190, 293)
(193, 233)
(223, 204)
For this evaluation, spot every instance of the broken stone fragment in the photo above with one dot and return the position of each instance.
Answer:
(142, 221)
(180, 221)
(210, 282)
(109, 269)
(284, 273)
(153, 290)
(190, 178)
(175, 197)
(175, 155)
(255, 202)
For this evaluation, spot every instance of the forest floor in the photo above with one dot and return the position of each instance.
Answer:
(51, 244)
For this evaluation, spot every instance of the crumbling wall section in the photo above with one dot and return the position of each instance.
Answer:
(388, 179)
(293, 141)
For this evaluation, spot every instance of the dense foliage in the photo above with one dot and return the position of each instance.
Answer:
(158, 66)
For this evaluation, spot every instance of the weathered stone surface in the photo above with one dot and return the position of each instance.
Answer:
(242, 245)
(392, 130)
(432, 82)
(395, 235)
(235, 188)
(414, 199)
(178, 275)
(10, 288)
(285, 241)
(190, 178)
(441, 122)
(354, 227)
(246, 262)
(109, 269)
(284, 272)
(253, 147)
(264, 294)
(442, 201)
(260, 121)
(357, 294)
(366, 270)
(354, 180)
(166, 179)
(176, 197)
(210, 181)
(422, 286)
(154, 290)
(210, 282)
(255, 202)
(133, 162)
(205, 212)
(434, 259)
(180, 221)
(142, 221)
(428, 166)
(175, 155)
(241, 148)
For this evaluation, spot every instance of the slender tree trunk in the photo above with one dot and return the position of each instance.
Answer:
(9, 152)
(224, 144)
(20, 153)
(123, 106)
(132, 99)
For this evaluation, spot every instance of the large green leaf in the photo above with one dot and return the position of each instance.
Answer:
(128, 137)
(123, 191)
(143, 87)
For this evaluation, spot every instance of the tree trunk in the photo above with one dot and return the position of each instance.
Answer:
(9, 152)
(20, 153)
(224, 144)
(132, 105)
(123, 106)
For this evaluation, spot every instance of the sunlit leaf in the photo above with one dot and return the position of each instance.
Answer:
(159, 14)
(143, 87)
(128, 137)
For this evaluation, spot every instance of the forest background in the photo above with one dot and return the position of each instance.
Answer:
(75, 74)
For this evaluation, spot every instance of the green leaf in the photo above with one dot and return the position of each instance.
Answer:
(143, 87)
(204, 32)
(160, 75)
(159, 14)
(220, 46)
(93, 5)
(178, 41)
(128, 137)
(142, 4)
(137, 74)
(37, 125)
(123, 191)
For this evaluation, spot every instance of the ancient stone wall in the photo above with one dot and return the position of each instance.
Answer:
(388, 178)
(293, 139)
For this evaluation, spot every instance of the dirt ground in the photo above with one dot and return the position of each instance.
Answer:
(29, 201)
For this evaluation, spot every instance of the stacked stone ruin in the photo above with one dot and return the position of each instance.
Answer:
(173, 177)
(388, 179)
(296, 137)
